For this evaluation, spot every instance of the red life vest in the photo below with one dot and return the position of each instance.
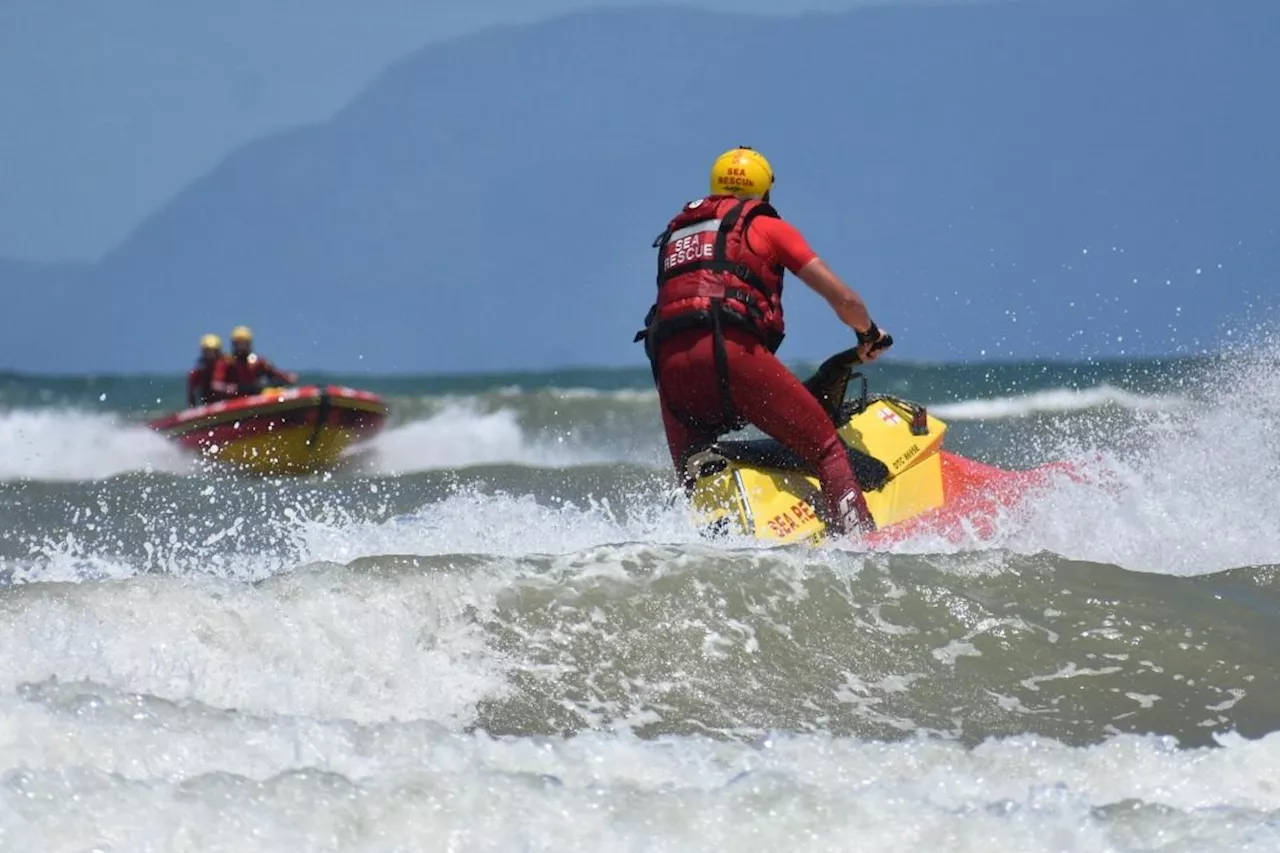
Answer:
(240, 377)
(707, 272)
(709, 276)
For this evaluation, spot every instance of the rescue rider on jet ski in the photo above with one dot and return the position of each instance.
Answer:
(712, 334)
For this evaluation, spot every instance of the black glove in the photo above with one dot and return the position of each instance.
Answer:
(878, 339)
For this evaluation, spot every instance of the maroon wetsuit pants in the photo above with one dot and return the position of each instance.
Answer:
(764, 393)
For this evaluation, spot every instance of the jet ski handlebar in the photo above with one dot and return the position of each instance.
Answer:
(830, 382)
(885, 342)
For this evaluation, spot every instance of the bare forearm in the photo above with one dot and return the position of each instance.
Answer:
(842, 298)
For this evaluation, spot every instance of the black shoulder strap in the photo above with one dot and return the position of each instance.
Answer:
(762, 209)
(727, 224)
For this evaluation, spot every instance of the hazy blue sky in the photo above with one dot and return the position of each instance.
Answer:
(109, 108)
(1044, 178)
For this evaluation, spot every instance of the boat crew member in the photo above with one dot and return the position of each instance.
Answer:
(717, 322)
(200, 379)
(241, 374)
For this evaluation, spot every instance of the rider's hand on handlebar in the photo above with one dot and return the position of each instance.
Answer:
(872, 343)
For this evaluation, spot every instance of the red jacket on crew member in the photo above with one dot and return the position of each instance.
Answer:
(200, 382)
(238, 376)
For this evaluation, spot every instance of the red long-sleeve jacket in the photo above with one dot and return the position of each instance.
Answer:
(239, 376)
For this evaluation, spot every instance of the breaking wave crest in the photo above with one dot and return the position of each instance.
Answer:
(684, 640)
(98, 763)
(71, 445)
(1056, 401)
(461, 435)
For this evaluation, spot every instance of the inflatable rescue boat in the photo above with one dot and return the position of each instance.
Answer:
(279, 431)
(761, 488)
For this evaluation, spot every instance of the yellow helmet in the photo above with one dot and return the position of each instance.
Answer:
(742, 172)
(241, 333)
(211, 342)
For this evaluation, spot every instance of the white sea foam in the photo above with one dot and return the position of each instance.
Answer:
(461, 435)
(1056, 401)
(1186, 489)
(70, 444)
(87, 767)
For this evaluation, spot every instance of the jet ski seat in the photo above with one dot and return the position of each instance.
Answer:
(870, 472)
(829, 386)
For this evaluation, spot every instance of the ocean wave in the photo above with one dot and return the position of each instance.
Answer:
(364, 663)
(1056, 401)
(463, 433)
(683, 640)
(1187, 491)
(613, 395)
(84, 762)
(70, 444)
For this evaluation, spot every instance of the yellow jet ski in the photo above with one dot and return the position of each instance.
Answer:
(763, 489)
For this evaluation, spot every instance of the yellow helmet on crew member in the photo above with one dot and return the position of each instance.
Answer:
(742, 172)
(212, 342)
(241, 341)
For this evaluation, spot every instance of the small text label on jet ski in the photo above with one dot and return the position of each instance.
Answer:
(906, 457)
(788, 521)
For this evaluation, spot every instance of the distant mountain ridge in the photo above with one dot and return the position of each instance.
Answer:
(993, 178)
